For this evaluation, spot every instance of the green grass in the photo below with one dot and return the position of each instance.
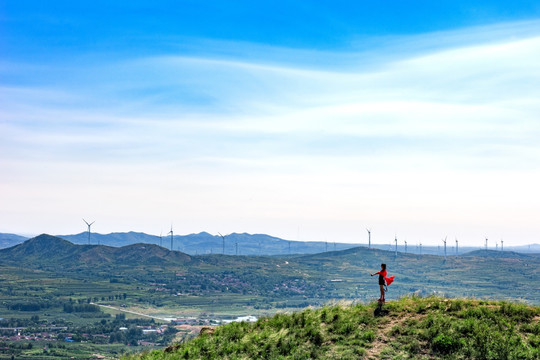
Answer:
(413, 328)
(70, 351)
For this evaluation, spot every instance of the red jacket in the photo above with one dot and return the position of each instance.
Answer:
(388, 280)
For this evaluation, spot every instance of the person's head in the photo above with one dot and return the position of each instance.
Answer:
(383, 266)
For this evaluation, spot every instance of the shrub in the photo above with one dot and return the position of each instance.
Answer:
(517, 312)
(455, 305)
(368, 336)
(445, 344)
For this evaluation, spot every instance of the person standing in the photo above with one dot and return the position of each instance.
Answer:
(383, 280)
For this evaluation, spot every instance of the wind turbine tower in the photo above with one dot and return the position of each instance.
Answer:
(502, 244)
(405, 246)
(486, 243)
(236, 244)
(369, 238)
(420, 248)
(444, 241)
(171, 232)
(223, 241)
(89, 225)
(161, 238)
(395, 239)
(456, 246)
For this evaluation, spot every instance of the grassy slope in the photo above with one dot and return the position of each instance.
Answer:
(413, 328)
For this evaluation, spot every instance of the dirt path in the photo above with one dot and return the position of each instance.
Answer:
(131, 312)
(381, 337)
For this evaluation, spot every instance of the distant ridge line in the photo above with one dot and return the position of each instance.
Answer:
(248, 244)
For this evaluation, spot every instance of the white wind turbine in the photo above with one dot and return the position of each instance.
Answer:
(89, 225)
(171, 232)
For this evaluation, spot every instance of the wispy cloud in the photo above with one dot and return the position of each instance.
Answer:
(381, 138)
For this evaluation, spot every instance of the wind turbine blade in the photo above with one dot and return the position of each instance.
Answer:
(86, 222)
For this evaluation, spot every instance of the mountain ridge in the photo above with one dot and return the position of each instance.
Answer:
(300, 279)
(45, 249)
(248, 244)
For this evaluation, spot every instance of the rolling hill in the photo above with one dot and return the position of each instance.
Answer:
(8, 240)
(287, 280)
(46, 250)
(411, 328)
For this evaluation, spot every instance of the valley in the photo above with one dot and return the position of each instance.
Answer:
(89, 292)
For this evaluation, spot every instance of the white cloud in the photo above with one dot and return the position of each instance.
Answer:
(424, 142)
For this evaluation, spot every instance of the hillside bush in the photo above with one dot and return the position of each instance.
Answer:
(445, 344)
(420, 328)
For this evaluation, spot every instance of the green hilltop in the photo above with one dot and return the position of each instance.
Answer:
(410, 328)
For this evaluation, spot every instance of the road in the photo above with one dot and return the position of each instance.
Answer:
(132, 312)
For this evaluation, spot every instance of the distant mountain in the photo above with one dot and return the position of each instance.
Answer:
(250, 244)
(307, 279)
(261, 244)
(53, 251)
(43, 246)
(532, 248)
(117, 239)
(8, 240)
(205, 243)
(498, 254)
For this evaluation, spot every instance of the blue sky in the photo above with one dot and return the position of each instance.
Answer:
(305, 120)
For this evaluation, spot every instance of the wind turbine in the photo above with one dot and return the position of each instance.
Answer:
(171, 232)
(502, 243)
(486, 243)
(223, 241)
(160, 238)
(395, 239)
(496, 246)
(236, 243)
(405, 246)
(456, 246)
(369, 238)
(89, 225)
(444, 241)
(420, 248)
